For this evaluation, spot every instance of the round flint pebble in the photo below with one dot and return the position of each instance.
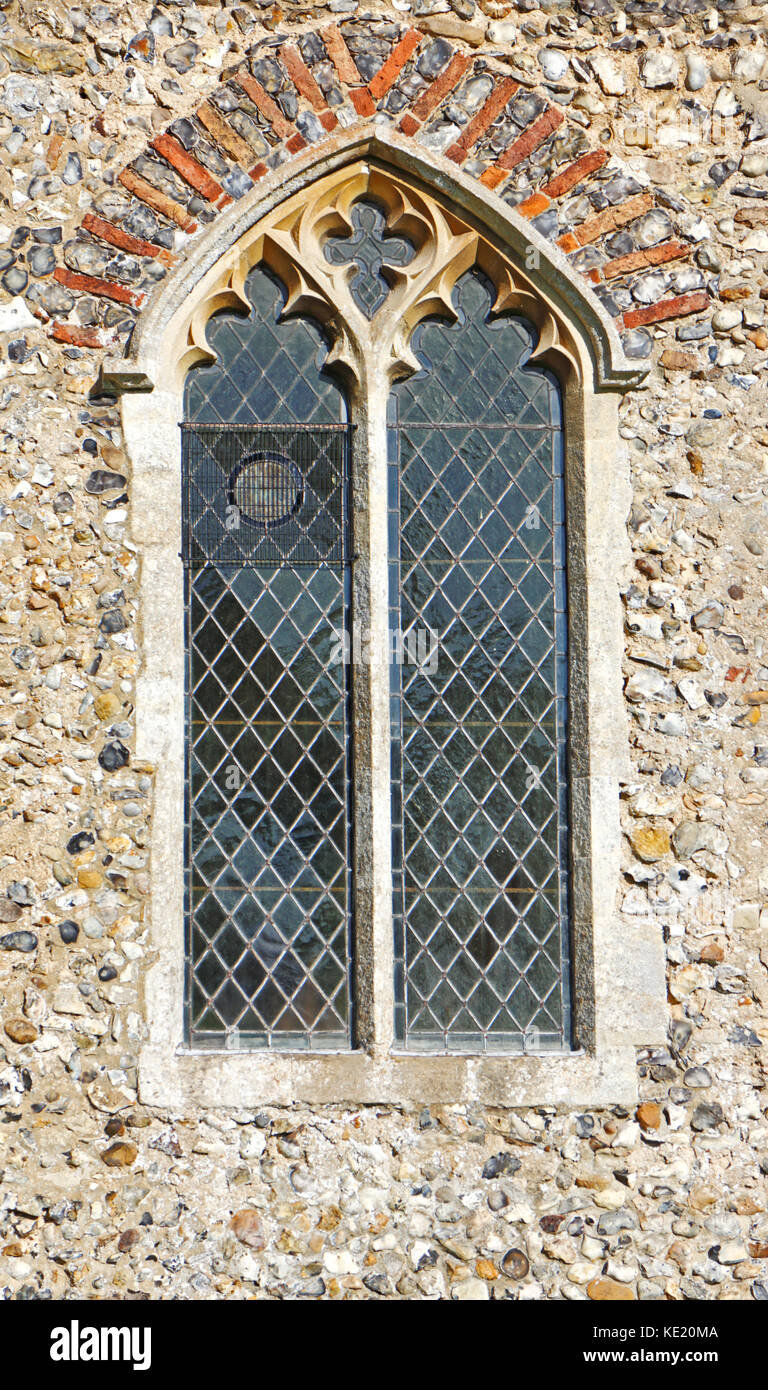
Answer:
(18, 941)
(707, 1116)
(41, 260)
(141, 46)
(500, 1163)
(69, 932)
(182, 57)
(101, 480)
(82, 840)
(47, 236)
(553, 63)
(113, 756)
(52, 297)
(113, 621)
(20, 893)
(515, 1264)
(185, 133)
(63, 503)
(15, 280)
(433, 59)
(637, 343)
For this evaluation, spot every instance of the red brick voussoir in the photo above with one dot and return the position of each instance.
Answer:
(391, 69)
(575, 173)
(124, 241)
(192, 173)
(283, 128)
(606, 221)
(675, 308)
(436, 93)
(336, 48)
(305, 83)
(364, 98)
(524, 146)
(159, 202)
(228, 139)
(639, 260)
(487, 114)
(104, 289)
(76, 336)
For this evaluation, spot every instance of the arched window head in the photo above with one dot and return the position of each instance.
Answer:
(267, 369)
(369, 257)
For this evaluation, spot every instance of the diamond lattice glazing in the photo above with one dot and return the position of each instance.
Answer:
(268, 877)
(477, 540)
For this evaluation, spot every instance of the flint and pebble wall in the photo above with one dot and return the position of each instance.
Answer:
(635, 137)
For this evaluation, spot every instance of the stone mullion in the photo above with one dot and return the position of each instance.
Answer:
(372, 820)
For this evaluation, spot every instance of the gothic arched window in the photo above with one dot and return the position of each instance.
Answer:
(476, 644)
(384, 861)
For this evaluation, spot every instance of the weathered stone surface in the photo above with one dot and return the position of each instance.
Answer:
(609, 1291)
(690, 836)
(30, 55)
(106, 705)
(20, 1030)
(650, 843)
(15, 316)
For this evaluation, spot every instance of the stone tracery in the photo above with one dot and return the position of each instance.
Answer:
(292, 243)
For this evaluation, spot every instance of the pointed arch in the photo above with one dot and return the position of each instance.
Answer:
(569, 315)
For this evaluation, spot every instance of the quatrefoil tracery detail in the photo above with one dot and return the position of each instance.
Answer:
(369, 257)
(371, 250)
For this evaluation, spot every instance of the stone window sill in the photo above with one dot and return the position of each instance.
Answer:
(225, 1079)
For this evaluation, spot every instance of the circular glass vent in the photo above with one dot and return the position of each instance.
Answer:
(267, 488)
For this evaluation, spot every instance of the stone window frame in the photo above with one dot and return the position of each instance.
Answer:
(618, 969)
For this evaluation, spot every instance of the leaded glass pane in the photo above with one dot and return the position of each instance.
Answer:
(478, 730)
(370, 249)
(266, 371)
(268, 823)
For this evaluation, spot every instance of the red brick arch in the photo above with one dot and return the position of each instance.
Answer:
(189, 173)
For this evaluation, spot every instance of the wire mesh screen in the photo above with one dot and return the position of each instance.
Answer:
(268, 787)
(264, 494)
